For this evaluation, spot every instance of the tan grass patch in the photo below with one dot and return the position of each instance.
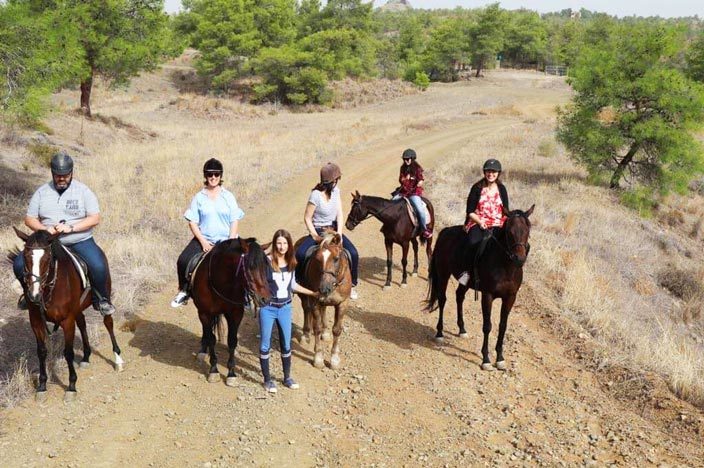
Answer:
(508, 110)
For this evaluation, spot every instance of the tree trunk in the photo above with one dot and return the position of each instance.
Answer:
(86, 88)
(622, 165)
(480, 64)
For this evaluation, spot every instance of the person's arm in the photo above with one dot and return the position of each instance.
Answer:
(236, 214)
(297, 288)
(419, 177)
(86, 223)
(308, 220)
(35, 225)
(204, 243)
(504, 196)
(340, 215)
(234, 229)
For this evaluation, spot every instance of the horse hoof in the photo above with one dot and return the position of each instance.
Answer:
(487, 366)
(414, 274)
(386, 287)
(40, 396)
(318, 362)
(69, 397)
(119, 367)
(214, 377)
(464, 335)
(439, 339)
(231, 382)
(201, 357)
(404, 285)
(335, 362)
(501, 365)
(83, 365)
(325, 336)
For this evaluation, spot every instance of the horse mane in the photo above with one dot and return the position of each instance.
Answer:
(257, 265)
(40, 239)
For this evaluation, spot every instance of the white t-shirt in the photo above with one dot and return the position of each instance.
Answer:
(325, 213)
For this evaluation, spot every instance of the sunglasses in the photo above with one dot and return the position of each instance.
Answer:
(213, 174)
(406, 159)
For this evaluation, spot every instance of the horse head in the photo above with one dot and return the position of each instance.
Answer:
(38, 257)
(329, 259)
(358, 213)
(517, 232)
(256, 266)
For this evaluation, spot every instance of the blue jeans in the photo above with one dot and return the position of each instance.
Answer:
(419, 208)
(308, 242)
(282, 316)
(97, 263)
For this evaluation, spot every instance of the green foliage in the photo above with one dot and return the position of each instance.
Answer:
(487, 36)
(421, 80)
(42, 153)
(547, 148)
(526, 38)
(695, 59)
(340, 52)
(29, 71)
(633, 111)
(446, 47)
(641, 200)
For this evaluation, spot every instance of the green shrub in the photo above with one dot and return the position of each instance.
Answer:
(641, 199)
(42, 152)
(421, 80)
(547, 148)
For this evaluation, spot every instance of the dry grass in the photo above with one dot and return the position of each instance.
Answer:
(593, 259)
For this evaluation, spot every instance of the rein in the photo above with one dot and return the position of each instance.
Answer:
(43, 301)
(237, 273)
(370, 213)
(509, 250)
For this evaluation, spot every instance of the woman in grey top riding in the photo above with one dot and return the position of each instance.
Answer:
(324, 211)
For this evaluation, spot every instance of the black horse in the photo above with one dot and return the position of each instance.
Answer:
(397, 227)
(220, 285)
(499, 275)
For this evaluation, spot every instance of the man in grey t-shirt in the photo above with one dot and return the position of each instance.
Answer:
(69, 207)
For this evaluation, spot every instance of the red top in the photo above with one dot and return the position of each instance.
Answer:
(409, 182)
(489, 209)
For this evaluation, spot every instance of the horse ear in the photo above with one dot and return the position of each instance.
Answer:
(530, 210)
(244, 244)
(21, 234)
(337, 239)
(357, 194)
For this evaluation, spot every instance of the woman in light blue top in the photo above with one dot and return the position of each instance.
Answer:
(212, 217)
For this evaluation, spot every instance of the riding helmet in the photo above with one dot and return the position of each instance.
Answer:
(492, 165)
(330, 173)
(61, 164)
(212, 165)
(409, 154)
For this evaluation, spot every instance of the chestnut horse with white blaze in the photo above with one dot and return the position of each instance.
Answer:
(56, 294)
(328, 272)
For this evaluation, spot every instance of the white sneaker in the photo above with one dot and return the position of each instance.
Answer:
(464, 279)
(181, 299)
(353, 294)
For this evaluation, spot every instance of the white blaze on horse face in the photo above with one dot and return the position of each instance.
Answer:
(37, 255)
(326, 256)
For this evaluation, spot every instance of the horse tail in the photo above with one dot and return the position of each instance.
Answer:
(432, 296)
(219, 328)
(257, 265)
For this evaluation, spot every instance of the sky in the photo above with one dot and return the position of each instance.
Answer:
(664, 8)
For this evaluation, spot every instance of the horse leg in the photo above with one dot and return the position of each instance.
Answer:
(69, 327)
(442, 300)
(233, 324)
(213, 375)
(404, 264)
(429, 249)
(318, 361)
(119, 363)
(389, 262)
(340, 310)
(460, 293)
(487, 300)
(414, 243)
(325, 336)
(203, 351)
(40, 335)
(506, 305)
(81, 322)
(307, 305)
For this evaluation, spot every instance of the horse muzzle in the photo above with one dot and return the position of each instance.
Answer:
(350, 225)
(519, 260)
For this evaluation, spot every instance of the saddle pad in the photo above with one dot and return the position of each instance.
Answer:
(80, 265)
(412, 212)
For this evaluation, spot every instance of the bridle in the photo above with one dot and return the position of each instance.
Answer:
(335, 274)
(370, 213)
(46, 289)
(510, 248)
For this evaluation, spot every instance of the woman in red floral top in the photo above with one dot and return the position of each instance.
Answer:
(411, 180)
(485, 204)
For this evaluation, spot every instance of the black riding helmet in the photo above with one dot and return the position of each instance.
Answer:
(409, 154)
(492, 165)
(212, 165)
(61, 164)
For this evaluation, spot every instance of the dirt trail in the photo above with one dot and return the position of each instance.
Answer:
(398, 398)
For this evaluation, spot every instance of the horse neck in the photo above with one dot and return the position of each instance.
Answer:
(381, 208)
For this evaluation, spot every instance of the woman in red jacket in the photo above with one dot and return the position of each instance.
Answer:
(411, 180)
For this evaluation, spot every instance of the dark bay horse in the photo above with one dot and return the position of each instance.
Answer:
(328, 272)
(397, 228)
(55, 294)
(500, 274)
(219, 289)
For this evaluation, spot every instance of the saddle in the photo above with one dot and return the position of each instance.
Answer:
(192, 267)
(81, 268)
(412, 212)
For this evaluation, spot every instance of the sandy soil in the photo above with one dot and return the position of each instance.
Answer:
(398, 399)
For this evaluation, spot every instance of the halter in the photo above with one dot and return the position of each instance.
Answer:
(237, 274)
(509, 251)
(45, 289)
(334, 274)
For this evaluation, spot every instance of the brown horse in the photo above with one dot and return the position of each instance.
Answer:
(328, 272)
(397, 227)
(219, 288)
(500, 274)
(55, 294)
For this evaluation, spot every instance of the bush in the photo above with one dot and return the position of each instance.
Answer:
(42, 152)
(547, 148)
(421, 80)
(682, 284)
(640, 200)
